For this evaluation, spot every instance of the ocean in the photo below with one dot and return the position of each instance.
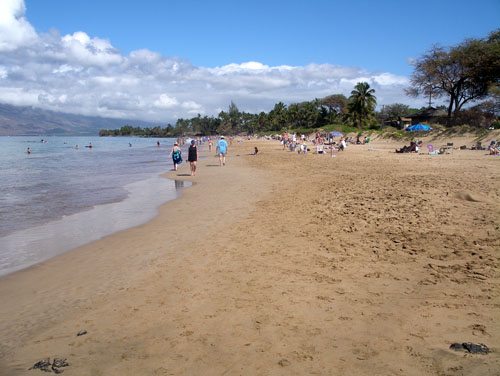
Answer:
(64, 194)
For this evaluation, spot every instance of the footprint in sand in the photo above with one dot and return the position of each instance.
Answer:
(186, 333)
(466, 196)
(314, 332)
(478, 329)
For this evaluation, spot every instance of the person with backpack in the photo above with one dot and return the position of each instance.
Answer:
(176, 155)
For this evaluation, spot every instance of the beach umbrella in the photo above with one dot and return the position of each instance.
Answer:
(336, 134)
(419, 128)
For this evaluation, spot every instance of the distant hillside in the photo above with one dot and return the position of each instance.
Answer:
(17, 120)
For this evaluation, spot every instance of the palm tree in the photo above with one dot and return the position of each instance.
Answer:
(362, 102)
(278, 116)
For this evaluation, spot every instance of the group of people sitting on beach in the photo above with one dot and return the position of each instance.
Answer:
(321, 142)
(360, 140)
(414, 147)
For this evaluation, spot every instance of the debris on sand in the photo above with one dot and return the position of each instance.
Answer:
(473, 348)
(81, 333)
(46, 365)
(42, 365)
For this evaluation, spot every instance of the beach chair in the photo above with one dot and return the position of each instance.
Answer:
(448, 148)
(431, 150)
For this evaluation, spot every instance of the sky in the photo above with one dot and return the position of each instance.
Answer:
(162, 60)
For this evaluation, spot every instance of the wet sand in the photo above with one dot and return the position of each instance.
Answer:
(369, 263)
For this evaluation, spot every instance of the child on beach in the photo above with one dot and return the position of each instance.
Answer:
(303, 148)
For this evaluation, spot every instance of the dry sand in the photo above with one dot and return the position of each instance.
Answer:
(369, 263)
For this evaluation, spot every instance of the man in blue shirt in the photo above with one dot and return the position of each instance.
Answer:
(222, 150)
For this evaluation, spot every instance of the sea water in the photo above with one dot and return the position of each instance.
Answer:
(64, 194)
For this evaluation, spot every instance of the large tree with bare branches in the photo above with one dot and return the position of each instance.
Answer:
(463, 73)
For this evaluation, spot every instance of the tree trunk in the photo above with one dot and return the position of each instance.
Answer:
(457, 107)
(450, 107)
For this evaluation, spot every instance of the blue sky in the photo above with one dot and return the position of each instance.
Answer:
(376, 35)
(161, 60)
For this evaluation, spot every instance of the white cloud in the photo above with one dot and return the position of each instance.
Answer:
(51, 99)
(250, 67)
(82, 49)
(82, 74)
(3, 72)
(192, 107)
(104, 80)
(145, 56)
(65, 68)
(18, 96)
(15, 30)
(388, 79)
(166, 101)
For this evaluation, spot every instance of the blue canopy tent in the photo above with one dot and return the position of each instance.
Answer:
(419, 128)
(336, 134)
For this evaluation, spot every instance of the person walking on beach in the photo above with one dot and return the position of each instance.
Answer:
(343, 144)
(176, 155)
(222, 150)
(193, 157)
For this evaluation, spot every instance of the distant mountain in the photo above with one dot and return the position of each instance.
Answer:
(17, 121)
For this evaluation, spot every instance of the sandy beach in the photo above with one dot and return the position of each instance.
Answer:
(369, 263)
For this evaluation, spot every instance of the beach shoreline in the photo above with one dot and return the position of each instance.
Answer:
(27, 247)
(367, 263)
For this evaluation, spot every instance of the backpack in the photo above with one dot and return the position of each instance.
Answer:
(176, 156)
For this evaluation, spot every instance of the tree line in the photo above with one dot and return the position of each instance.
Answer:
(318, 113)
(462, 74)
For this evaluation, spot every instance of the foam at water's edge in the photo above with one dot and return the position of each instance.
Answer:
(25, 248)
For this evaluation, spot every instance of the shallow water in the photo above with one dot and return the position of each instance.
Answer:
(60, 196)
